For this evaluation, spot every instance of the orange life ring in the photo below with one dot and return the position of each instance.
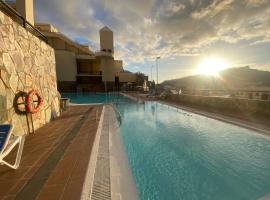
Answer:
(31, 107)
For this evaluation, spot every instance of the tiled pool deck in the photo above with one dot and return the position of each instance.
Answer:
(55, 159)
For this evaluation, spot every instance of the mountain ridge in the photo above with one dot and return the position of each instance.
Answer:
(242, 78)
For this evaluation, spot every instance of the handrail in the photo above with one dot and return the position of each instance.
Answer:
(8, 10)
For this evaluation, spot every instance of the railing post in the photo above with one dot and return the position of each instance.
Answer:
(24, 22)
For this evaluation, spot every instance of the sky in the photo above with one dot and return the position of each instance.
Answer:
(182, 32)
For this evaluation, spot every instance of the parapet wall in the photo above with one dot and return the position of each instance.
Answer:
(26, 63)
(232, 105)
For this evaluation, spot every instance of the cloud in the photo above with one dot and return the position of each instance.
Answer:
(213, 9)
(146, 29)
(170, 8)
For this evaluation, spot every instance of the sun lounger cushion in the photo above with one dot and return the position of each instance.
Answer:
(4, 133)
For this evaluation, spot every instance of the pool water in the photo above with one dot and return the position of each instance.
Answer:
(83, 98)
(174, 154)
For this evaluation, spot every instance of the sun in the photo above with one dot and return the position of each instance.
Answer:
(211, 66)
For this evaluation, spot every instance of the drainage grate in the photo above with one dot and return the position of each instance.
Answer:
(101, 186)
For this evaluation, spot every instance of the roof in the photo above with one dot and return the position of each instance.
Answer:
(69, 41)
(51, 32)
(106, 28)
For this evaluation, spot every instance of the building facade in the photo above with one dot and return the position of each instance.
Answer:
(83, 70)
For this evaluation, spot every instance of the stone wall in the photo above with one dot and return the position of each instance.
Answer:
(26, 63)
(232, 105)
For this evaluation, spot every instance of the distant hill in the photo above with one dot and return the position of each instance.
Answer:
(243, 78)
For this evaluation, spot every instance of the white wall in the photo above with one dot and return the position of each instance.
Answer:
(66, 65)
(106, 39)
(127, 77)
(108, 70)
(118, 65)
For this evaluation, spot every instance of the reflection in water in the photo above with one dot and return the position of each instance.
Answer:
(153, 109)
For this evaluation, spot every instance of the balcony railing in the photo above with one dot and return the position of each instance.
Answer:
(8, 10)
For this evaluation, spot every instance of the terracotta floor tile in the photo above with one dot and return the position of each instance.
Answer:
(11, 174)
(76, 148)
(5, 186)
(29, 162)
(30, 172)
(51, 192)
(73, 190)
(9, 197)
(17, 187)
(80, 170)
(62, 172)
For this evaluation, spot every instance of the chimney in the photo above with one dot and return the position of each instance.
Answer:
(26, 9)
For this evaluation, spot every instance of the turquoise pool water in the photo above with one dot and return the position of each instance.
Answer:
(176, 154)
(84, 98)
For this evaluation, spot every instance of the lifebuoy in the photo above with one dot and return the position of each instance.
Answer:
(19, 103)
(31, 106)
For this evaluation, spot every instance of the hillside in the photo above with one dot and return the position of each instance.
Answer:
(234, 78)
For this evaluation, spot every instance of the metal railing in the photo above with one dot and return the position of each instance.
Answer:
(8, 10)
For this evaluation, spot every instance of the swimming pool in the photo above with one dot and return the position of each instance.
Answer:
(174, 154)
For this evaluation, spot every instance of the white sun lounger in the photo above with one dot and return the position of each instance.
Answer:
(7, 142)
